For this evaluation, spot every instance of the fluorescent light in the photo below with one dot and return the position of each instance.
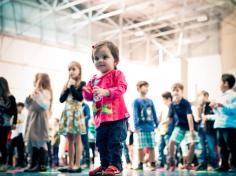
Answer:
(202, 18)
(139, 33)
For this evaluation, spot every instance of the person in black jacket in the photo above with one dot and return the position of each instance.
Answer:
(8, 110)
(207, 134)
(72, 123)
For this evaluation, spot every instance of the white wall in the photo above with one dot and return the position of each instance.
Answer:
(21, 60)
(204, 73)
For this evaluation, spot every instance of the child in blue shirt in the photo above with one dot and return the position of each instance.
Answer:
(180, 111)
(225, 123)
(145, 121)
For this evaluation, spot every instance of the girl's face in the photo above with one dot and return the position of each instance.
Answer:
(103, 60)
(74, 72)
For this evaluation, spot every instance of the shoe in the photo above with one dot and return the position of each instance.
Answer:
(43, 155)
(153, 166)
(111, 171)
(201, 167)
(64, 169)
(140, 167)
(76, 170)
(171, 165)
(97, 172)
(34, 160)
(222, 169)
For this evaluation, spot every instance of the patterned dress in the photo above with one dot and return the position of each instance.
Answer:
(72, 118)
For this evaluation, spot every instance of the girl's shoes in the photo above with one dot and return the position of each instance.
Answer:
(97, 172)
(111, 171)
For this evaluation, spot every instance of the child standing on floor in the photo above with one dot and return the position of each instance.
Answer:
(110, 113)
(180, 110)
(145, 122)
(17, 140)
(72, 123)
(39, 105)
(164, 128)
(7, 111)
(225, 123)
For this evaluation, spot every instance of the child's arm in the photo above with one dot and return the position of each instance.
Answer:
(154, 116)
(42, 99)
(77, 93)
(119, 89)
(64, 95)
(13, 110)
(191, 124)
(87, 92)
(230, 108)
(136, 114)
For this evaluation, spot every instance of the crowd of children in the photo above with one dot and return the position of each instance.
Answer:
(190, 136)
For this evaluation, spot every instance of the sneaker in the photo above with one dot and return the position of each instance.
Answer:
(97, 171)
(111, 171)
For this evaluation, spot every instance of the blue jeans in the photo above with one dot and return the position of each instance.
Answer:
(208, 152)
(126, 153)
(226, 138)
(85, 154)
(163, 142)
(109, 140)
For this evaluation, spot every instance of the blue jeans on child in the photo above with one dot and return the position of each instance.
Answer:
(208, 148)
(109, 140)
(163, 143)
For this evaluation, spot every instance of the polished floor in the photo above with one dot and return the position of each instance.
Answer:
(158, 172)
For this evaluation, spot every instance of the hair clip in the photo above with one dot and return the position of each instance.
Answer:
(94, 46)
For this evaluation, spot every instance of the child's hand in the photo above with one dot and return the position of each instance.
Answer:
(213, 104)
(86, 89)
(216, 105)
(100, 91)
(220, 105)
(71, 82)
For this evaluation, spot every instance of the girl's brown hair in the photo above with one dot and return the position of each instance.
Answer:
(42, 81)
(4, 88)
(111, 46)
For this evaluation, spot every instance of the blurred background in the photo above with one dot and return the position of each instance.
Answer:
(161, 41)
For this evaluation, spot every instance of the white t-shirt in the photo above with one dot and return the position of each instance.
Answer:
(20, 125)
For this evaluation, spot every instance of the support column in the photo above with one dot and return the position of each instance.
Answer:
(228, 43)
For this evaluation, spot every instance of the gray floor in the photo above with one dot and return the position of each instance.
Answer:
(125, 173)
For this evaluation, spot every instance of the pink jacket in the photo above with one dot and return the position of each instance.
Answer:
(110, 108)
